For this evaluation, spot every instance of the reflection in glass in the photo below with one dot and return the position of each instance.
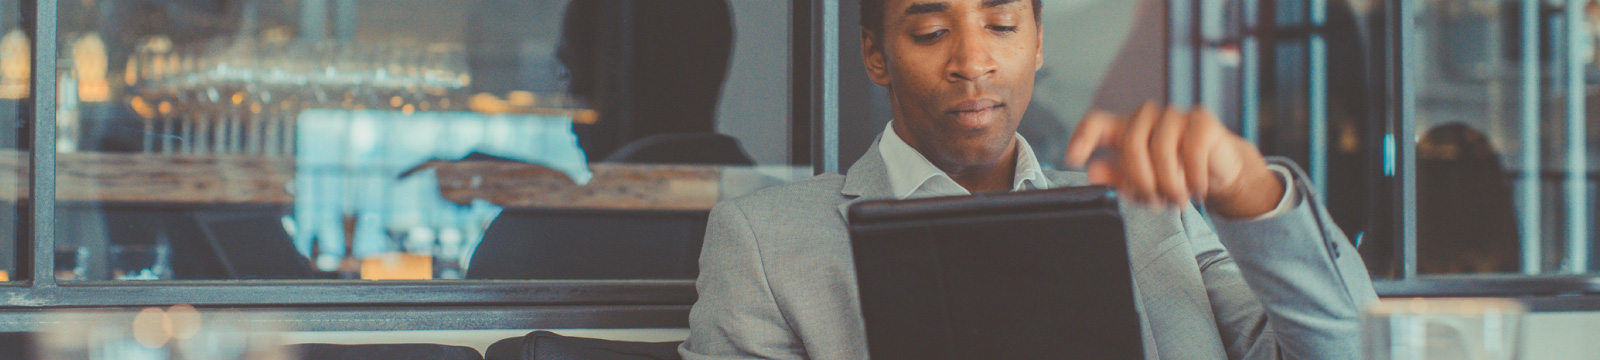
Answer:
(239, 140)
(1497, 86)
(1502, 137)
(16, 60)
(1325, 114)
(1465, 218)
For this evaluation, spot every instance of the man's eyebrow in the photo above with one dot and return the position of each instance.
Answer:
(993, 3)
(929, 8)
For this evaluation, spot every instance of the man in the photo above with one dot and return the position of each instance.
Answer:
(1274, 279)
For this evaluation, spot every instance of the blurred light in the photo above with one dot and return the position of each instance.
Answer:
(152, 328)
(1388, 154)
(397, 266)
(89, 60)
(130, 75)
(184, 321)
(141, 107)
(521, 98)
(487, 103)
(15, 65)
(1229, 55)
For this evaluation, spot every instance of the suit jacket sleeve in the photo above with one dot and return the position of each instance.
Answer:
(736, 316)
(1289, 286)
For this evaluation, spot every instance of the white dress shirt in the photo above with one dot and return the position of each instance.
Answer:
(912, 175)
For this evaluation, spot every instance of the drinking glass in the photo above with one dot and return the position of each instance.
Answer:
(1456, 329)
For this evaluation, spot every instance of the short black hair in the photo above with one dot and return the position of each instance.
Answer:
(872, 15)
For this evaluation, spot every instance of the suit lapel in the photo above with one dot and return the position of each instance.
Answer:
(867, 179)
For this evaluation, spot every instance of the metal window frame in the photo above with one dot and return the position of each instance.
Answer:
(42, 170)
(395, 305)
(1573, 290)
(1529, 197)
(1576, 186)
(1402, 123)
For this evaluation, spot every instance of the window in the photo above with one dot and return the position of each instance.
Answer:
(259, 140)
(486, 153)
(1451, 138)
(16, 71)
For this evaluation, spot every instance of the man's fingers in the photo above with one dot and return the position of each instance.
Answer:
(1102, 172)
(1097, 129)
(1138, 179)
(1169, 172)
(1200, 140)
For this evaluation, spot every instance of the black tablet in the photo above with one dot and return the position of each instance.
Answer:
(1040, 274)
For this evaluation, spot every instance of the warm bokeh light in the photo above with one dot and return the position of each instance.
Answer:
(89, 61)
(185, 321)
(397, 266)
(151, 328)
(15, 65)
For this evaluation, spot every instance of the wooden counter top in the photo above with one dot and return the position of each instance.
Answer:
(202, 180)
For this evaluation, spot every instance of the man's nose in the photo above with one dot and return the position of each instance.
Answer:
(971, 58)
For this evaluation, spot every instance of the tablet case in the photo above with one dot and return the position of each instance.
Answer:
(1038, 274)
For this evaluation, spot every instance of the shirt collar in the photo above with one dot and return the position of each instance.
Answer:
(912, 175)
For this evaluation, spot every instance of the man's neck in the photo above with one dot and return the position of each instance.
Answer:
(997, 176)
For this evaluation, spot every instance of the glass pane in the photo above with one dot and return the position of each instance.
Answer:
(1321, 69)
(1478, 150)
(413, 139)
(16, 59)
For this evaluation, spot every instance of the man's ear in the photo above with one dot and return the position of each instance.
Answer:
(873, 57)
(1038, 48)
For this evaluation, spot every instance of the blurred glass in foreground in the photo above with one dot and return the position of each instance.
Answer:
(176, 333)
(1427, 329)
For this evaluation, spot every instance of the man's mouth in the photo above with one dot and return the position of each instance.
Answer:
(977, 114)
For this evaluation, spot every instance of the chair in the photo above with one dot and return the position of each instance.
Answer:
(545, 345)
(547, 244)
(683, 148)
(383, 352)
(631, 244)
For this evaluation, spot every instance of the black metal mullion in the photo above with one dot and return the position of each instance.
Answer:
(42, 166)
(800, 129)
(824, 90)
(1403, 117)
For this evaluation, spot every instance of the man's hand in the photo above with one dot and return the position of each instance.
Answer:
(1169, 156)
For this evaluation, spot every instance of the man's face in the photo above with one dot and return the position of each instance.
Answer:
(959, 73)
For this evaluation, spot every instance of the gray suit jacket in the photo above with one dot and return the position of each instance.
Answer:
(777, 280)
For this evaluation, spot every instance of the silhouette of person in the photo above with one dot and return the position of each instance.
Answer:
(1465, 218)
(649, 67)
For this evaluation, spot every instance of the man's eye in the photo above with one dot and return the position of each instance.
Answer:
(929, 36)
(1004, 29)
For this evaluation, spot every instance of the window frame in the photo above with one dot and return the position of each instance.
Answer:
(327, 305)
(508, 304)
(1191, 38)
